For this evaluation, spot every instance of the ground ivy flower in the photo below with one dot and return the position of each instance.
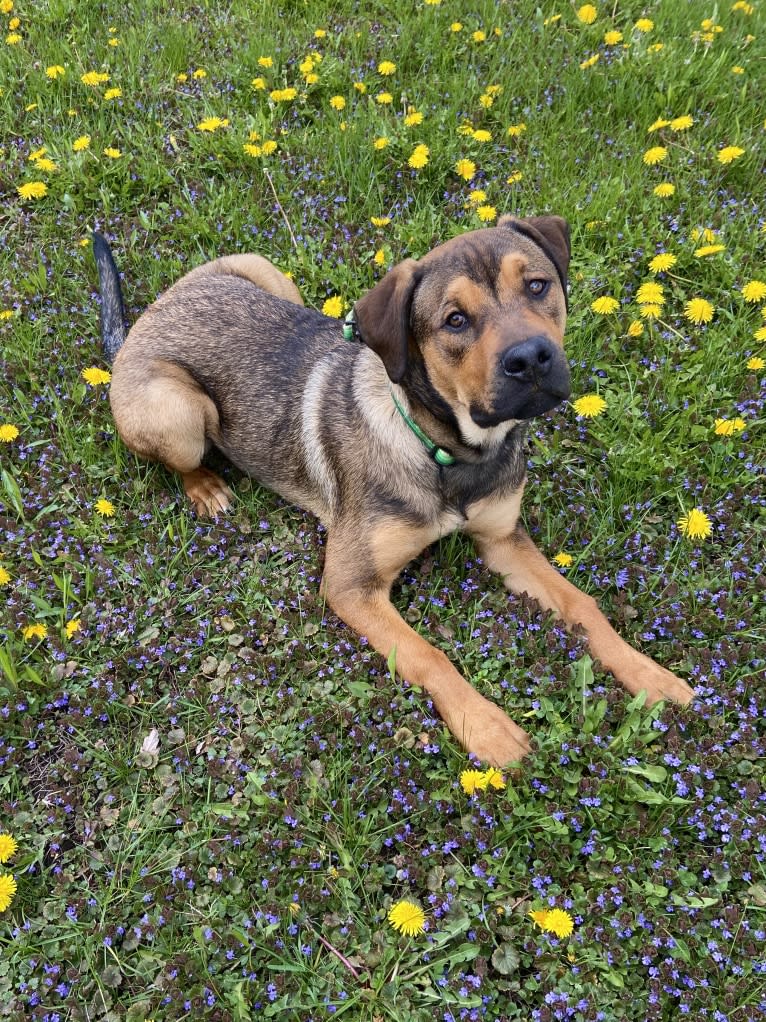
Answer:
(333, 307)
(754, 291)
(664, 190)
(589, 406)
(408, 918)
(695, 524)
(663, 261)
(728, 427)
(563, 559)
(94, 376)
(465, 169)
(655, 155)
(605, 305)
(8, 847)
(7, 890)
(8, 433)
(35, 631)
(699, 310)
(729, 153)
(587, 14)
(419, 157)
(104, 507)
(33, 190)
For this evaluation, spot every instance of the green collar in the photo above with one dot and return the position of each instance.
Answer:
(440, 456)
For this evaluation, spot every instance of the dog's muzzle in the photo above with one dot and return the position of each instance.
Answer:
(533, 378)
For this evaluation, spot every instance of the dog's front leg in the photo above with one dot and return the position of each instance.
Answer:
(525, 570)
(357, 581)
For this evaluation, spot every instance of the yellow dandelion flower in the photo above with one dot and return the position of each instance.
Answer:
(486, 214)
(55, 71)
(269, 147)
(695, 524)
(514, 178)
(664, 190)
(338, 102)
(465, 169)
(266, 62)
(283, 95)
(729, 153)
(650, 311)
(45, 165)
(563, 559)
(115, 93)
(539, 915)
(13, 39)
(380, 221)
(94, 78)
(478, 36)
(658, 124)
(81, 144)
(590, 61)
(104, 507)
(360, 87)
(95, 376)
(515, 130)
(654, 155)
(486, 100)
(384, 98)
(333, 307)
(456, 26)
(380, 143)
(612, 38)
(650, 293)
(587, 14)
(558, 922)
(738, 70)
(636, 328)
(760, 334)
(699, 310)
(252, 149)
(419, 157)
(494, 779)
(756, 363)
(644, 25)
(258, 83)
(36, 631)
(199, 73)
(708, 250)
(386, 67)
(682, 123)
(413, 118)
(477, 196)
(8, 433)
(728, 427)
(320, 33)
(754, 291)
(8, 847)
(112, 153)
(605, 305)
(408, 918)
(6, 6)
(5, 576)
(213, 124)
(33, 190)
(589, 406)
(663, 261)
(7, 314)
(482, 135)
(72, 627)
(472, 781)
(7, 890)
(380, 257)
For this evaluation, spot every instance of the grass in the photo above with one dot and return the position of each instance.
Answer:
(244, 869)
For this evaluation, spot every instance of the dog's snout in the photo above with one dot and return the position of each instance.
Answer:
(530, 360)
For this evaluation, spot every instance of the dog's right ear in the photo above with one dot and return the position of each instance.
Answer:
(383, 317)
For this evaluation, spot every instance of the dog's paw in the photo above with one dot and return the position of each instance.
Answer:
(208, 492)
(484, 730)
(658, 683)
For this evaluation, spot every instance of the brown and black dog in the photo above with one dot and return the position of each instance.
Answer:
(392, 442)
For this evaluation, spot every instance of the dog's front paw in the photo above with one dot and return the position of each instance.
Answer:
(484, 730)
(208, 492)
(644, 674)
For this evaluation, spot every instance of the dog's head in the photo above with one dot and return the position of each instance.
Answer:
(482, 318)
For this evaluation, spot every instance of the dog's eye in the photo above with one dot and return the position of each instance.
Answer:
(537, 288)
(456, 321)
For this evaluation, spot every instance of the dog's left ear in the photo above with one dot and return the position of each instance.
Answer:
(383, 317)
(551, 233)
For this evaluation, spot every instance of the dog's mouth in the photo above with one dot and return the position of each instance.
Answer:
(524, 400)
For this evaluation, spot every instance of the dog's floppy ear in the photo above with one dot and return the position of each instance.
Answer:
(551, 233)
(383, 317)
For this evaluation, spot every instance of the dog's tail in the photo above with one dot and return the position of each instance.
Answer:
(114, 326)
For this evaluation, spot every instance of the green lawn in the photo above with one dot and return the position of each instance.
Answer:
(245, 867)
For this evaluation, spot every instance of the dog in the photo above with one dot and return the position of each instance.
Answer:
(394, 428)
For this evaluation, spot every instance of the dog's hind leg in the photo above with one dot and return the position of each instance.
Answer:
(168, 417)
(252, 267)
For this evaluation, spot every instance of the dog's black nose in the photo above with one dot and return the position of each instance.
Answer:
(530, 360)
